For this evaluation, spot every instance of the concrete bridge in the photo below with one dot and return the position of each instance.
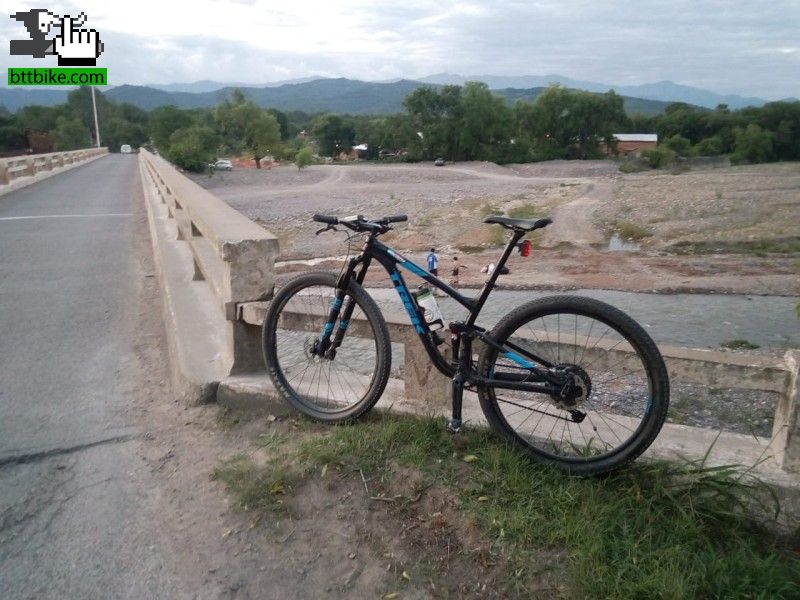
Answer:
(83, 238)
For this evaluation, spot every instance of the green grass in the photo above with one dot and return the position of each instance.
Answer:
(490, 209)
(256, 488)
(228, 419)
(739, 345)
(654, 530)
(760, 248)
(631, 231)
(526, 211)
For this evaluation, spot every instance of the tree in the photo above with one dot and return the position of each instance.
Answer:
(12, 139)
(783, 119)
(11, 136)
(166, 120)
(260, 135)
(592, 118)
(283, 122)
(79, 103)
(484, 122)
(564, 123)
(332, 134)
(753, 145)
(40, 118)
(192, 148)
(70, 134)
(680, 118)
(303, 157)
(117, 131)
(245, 126)
(434, 117)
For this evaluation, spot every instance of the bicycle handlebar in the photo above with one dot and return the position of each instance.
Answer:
(325, 219)
(359, 223)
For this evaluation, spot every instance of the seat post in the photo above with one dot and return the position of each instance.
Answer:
(517, 234)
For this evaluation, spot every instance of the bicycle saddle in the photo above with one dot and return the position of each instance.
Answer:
(521, 224)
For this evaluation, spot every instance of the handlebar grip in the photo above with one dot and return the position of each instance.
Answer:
(396, 219)
(325, 219)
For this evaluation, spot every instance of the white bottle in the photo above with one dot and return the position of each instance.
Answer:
(430, 309)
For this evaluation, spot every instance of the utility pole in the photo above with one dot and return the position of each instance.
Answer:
(96, 126)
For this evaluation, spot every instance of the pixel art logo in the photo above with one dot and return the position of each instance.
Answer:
(73, 45)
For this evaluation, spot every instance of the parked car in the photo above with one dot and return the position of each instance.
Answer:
(223, 164)
(125, 149)
(439, 162)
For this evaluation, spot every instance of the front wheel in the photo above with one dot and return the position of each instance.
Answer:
(619, 389)
(331, 388)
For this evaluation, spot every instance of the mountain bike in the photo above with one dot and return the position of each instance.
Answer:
(571, 381)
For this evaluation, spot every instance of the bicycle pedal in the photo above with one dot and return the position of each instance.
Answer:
(454, 425)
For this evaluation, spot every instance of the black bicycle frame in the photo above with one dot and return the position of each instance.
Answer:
(532, 379)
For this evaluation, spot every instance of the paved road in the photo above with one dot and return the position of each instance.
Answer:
(73, 511)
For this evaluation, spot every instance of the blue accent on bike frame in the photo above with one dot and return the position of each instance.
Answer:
(343, 324)
(413, 268)
(519, 360)
(402, 291)
(337, 304)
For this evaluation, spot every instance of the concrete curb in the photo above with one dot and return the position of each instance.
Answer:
(194, 327)
(18, 184)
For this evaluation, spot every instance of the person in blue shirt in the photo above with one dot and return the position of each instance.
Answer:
(433, 262)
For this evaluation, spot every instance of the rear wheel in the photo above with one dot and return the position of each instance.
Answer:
(618, 394)
(334, 389)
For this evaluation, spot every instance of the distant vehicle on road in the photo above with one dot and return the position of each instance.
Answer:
(439, 162)
(126, 149)
(223, 164)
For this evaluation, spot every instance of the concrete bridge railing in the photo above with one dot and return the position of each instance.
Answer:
(231, 253)
(14, 168)
(424, 384)
(235, 258)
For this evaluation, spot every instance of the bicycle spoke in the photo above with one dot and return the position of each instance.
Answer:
(607, 406)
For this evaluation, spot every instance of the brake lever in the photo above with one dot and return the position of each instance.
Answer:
(330, 227)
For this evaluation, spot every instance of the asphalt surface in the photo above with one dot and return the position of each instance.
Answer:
(75, 507)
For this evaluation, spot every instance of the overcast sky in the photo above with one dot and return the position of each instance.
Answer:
(728, 46)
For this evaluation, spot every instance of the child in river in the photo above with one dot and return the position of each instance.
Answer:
(455, 272)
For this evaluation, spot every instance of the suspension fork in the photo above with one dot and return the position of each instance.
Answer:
(462, 353)
(342, 308)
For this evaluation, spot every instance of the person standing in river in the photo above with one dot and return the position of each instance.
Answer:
(456, 270)
(433, 263)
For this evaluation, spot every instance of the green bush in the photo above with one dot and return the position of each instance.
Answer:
(752, 145)
(679, 144)
(709, 147)
(303, 158)
(659, 157)
(632, 165)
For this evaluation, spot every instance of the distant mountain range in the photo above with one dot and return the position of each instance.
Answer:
(367, 97)
(665, 91)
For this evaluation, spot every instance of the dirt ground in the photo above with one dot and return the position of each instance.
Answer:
(727, 230)
(334, 542)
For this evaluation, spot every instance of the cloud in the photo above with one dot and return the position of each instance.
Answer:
(726, 46)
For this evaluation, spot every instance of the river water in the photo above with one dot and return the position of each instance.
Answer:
(693, 320)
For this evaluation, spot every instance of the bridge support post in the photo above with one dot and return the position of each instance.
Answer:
(786, 426)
